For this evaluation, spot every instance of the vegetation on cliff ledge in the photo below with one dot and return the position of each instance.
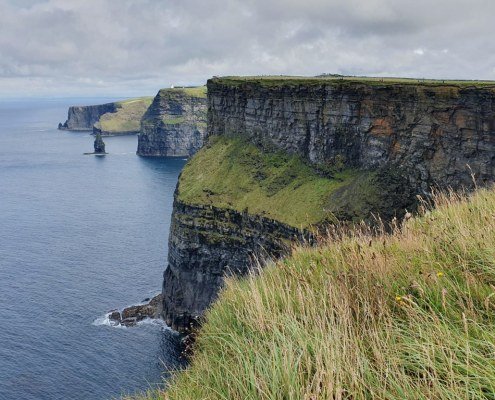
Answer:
(231, 173)
(282, 80)
(191, 91)
(194, 91)
(408, 314)
(127, 118)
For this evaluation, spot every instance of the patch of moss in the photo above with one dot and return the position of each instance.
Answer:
(196, 91)
(383, 192)
(127, 118)
(199, 91)
(231, 173)
(172, 121)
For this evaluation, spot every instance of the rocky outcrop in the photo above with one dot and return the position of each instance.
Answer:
(99, 144)
(130, 316)
(207, 243)
(432, 131)
(174, 125)
(82, 118)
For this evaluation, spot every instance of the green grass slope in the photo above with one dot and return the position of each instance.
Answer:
(231, 173)
(127, 118)
(404, 315)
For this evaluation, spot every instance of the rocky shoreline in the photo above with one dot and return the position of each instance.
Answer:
(130, 316)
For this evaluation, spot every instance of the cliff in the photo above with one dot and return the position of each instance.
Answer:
(303, 153)
(206, 244)
(175, 123)
(82, 118)
(118, 118)
(431, 130)
(237, 204)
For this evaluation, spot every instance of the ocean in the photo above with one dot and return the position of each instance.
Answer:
(79, 235)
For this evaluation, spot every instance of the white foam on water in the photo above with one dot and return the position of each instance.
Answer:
(106, 321)
(158, 322)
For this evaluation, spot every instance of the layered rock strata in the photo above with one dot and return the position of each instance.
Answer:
(205, 245)
(439, 134)
(175, 124)
(99, 144)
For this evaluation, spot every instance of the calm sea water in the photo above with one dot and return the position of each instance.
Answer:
(79, 235)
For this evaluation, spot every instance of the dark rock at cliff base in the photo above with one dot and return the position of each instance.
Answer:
(132, 321)
(99, 144)
(130, 316)
(139, 312)
(115, 316)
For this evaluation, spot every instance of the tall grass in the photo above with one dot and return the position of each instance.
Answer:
(402, 315)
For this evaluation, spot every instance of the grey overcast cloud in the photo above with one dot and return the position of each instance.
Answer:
(134, 47)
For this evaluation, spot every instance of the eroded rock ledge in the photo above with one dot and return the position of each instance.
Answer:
(130, 316)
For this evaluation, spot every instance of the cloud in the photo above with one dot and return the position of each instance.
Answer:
(60, 47)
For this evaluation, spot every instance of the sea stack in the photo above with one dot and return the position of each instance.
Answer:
(99, 144)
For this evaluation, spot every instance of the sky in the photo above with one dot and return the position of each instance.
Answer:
(64, 48)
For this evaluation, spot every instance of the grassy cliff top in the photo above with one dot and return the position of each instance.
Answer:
(199, 91)
(274, 81)
(230, 173)
(408, 315)
(127, 117)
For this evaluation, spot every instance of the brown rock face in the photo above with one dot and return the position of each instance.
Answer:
(432, 132)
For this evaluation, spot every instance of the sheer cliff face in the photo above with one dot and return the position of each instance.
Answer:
(82, 118)
(174, 125)
(206, 243)
(432, 132)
